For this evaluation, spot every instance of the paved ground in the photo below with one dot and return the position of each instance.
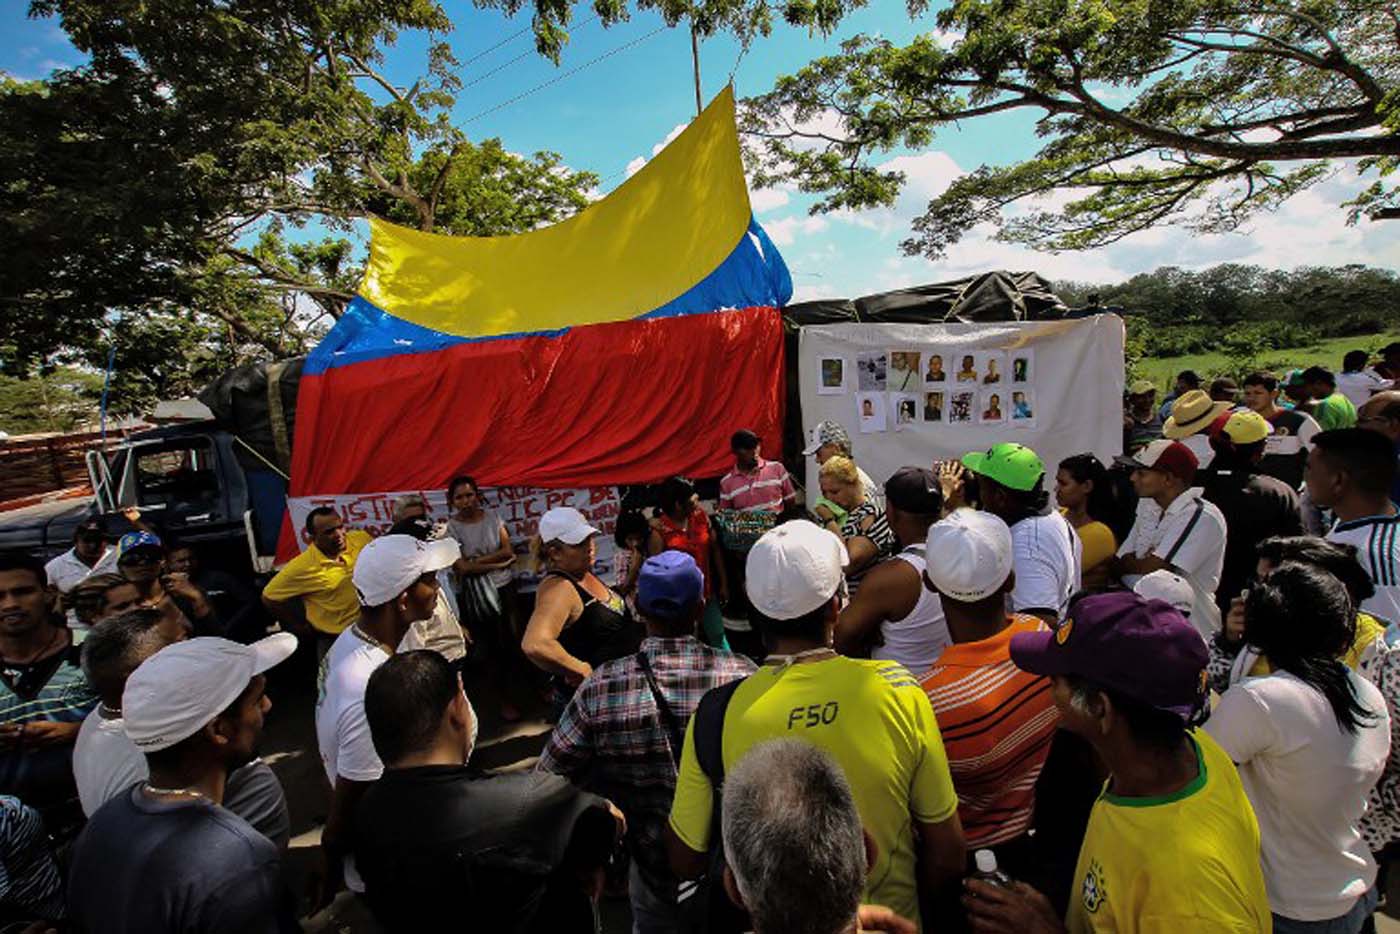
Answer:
(289, 746)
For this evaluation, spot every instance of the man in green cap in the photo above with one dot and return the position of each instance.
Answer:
(1047, 554)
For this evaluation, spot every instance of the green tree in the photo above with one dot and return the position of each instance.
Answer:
(155, 194)
(60, 400)
(1194, 112)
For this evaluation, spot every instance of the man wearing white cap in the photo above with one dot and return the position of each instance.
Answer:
(396, 580)
(165, 856)
(997, 720)
(871, 716)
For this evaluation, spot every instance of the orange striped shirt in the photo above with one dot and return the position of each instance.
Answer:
(997, 722)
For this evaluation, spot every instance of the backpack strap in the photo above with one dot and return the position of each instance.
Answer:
(675, 732)
(709, 734)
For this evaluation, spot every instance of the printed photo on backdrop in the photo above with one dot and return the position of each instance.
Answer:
(1022, 366)
(870, 411)
(934, 374)
(967, 368)
(960, 408)
(992, 411)
(933, 406)
(904, 375)
(993, 368)
(905, 408)
(833, 376)
(871, 370)
(1023, 408)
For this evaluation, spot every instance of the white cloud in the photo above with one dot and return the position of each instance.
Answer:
(784, 231)
(635, 166)
(768, 199)
(926, 176)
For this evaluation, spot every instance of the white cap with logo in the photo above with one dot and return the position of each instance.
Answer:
(566, 524)
(969, 555)
(173, 694)
(1169, 587)
(391, 563)
(794, 569)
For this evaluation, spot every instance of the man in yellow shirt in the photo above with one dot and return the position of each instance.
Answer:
(1172, 844)
(871, 716)
(320, 578)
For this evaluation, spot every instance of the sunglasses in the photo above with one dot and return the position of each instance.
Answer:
(140, 557)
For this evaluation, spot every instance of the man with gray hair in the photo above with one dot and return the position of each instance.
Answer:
(796, 856)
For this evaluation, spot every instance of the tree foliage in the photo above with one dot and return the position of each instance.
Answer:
(1195, 112)
(1180, 311)
(189, 190)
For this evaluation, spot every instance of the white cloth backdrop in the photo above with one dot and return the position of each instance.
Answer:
(1076, 382)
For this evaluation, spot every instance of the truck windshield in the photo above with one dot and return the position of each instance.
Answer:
(172, 473)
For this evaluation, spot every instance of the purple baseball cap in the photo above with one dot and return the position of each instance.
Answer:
(1143, 649)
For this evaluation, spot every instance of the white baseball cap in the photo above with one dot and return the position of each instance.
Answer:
(566, 524)
(1169, 587)
(391, 563)
(174, 693)
(793, 569)
(968, 555)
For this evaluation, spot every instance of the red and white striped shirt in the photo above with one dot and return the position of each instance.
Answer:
(997, 722)
(766, 488)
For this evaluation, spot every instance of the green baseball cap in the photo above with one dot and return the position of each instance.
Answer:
(1012, 465)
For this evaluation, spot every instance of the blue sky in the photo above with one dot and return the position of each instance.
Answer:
(612, 114)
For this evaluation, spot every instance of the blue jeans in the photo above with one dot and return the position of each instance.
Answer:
(1349, 923)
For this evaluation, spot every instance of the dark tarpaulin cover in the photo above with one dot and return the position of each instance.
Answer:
(244, 404)
(991, 296)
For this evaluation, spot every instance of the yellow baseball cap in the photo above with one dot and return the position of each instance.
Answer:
(1141, 387)
(1247, 428)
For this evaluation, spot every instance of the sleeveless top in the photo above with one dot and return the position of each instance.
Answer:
(918, 639)
(603, 631)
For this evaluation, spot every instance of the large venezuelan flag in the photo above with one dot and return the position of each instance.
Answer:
(622, 345)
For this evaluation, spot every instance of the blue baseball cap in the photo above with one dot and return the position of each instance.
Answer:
(668, 585)
(134, 540)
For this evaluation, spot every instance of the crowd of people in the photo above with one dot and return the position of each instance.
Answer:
(1141, 695)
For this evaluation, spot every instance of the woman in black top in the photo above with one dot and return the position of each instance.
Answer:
(579, 622)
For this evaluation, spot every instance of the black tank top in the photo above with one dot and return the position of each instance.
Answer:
(603, 631)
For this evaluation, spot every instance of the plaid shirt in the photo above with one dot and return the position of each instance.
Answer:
(612, 740)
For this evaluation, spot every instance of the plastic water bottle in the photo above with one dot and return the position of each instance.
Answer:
(987, 870)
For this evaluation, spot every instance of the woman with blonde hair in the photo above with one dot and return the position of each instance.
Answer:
(579, 622)
(859, 522)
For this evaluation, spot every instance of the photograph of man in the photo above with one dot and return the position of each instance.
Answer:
(1020, 369)
(933, 406)
(935, 373)
(904, 370)
(994, 365)
(833, 372)
(1021, 405)
(968, 373)
(993, 413)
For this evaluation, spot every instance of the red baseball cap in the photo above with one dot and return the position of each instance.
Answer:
(1171, 457)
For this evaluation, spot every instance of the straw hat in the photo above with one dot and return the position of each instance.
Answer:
(1191, 413)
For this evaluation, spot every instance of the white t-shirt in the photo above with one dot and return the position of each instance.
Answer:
(1199, 443)
(342, 731)
(105, 761)
(1190, 536)
(67, 571)
(1308, 781)
(1048, 559)
(1377, 541)
(873, 491)
(1359, 386)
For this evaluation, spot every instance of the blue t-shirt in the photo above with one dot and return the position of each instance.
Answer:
(187, 866)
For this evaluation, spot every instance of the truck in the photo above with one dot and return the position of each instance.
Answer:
(196, 481)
